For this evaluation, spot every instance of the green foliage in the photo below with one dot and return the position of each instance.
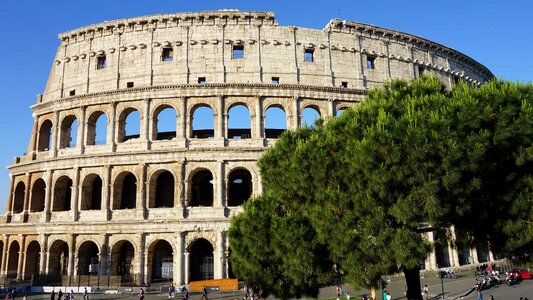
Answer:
(360, 188)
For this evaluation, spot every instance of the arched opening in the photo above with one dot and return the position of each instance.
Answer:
(88, 258)
(160, 254)
(45, 136)
(202, 189)
(239, 187)
(62, 194)
(57, 261)
(97, 128)
(122, 256)
(13, 260)
(91, 193)
(18, 198)
(164, 190)
(38, 193)
(68, 132)
(275, 122)
(239, 125)
(129, 125)
(201, 265)
(203, 123)
(309, 116)
(164, 123)
(33, 259)
(339, 112)
(125, 191)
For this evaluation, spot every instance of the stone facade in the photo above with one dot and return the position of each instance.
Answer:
(156, 205)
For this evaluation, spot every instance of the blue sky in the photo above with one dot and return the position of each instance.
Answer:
(496, 33)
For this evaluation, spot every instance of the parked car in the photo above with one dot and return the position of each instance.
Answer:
(521, 273)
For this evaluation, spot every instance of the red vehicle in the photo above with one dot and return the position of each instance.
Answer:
(521, 273)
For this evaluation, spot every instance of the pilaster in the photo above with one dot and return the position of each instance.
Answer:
(22, 257)
(76, 189)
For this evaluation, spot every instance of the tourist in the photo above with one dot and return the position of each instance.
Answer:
(60, 295)
(425, 291)
(204, 294)
(53, 296)
(141, 294)
(389, 297)
(85, 294)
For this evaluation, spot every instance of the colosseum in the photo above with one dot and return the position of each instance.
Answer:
(105, 193)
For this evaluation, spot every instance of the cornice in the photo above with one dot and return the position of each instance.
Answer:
(362, 28)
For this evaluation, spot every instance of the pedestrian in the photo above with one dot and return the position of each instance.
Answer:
(170, 291)
(141, 294)
(204, 294)
(389, 297)
(71, 296)
(385, 295)
(60, 295)
(53, 296)
(479, 295)
(338, 292)
(491, 297)
(85, 294)
(8, 296)
(425, 291)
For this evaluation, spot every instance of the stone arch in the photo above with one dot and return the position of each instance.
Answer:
(162, 189)
(91, 192)
(33, 259)
(38, 193)
(275, 121)
(97, 128)
(239, 187)
(58, 259)
(164, 122)
(62, 194)
(45, 136)
(131, 115)
(68, 132)
(13, 259)
(310, 114)
(88, 258)
(18, 197)
(202, 187)
(201, 266)
(160, 261)
(202, 121)
(239, 121)
(125, 191)
(122, 261)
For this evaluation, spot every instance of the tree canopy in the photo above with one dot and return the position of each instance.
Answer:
(350, 197)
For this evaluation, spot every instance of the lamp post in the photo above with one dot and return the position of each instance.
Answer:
(442, 283)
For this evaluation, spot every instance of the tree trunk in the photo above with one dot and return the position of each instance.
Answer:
(412, 279)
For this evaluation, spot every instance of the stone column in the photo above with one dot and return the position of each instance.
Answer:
(452, 249)
(221, 119)
(82, 130)
(219, 259)
(183, 183)
(106, 192)
(296, 114)
(331, 108)
(143, 259)
(27, 192)
(70, 268)
(257, 131)
(9, 208)
(387, 58)
(178, 259)
(145, 123)
(55, 135)
(142, 198)
(186, 271)
(185, 122)
(329, 79)
(431, 261)
(34, 134)
(220, 184)
(22, 257)
(43, 254)
(3, 257)
(111, 127)
(359, 75)
(47, 197)
(76, 194)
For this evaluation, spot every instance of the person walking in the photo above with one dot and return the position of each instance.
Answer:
(60, 295)
(141, 294)
(425, 291)
(204, 294)
(53, 296)
(85, 294)
(479, 295)
(389, 297)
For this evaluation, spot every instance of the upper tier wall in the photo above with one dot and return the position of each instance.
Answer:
(202, 47)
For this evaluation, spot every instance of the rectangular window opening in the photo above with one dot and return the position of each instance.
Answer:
(101, 62)
(275, 80)
(238, 51)
(370, 62)
(309, 55)
(167, 55)
(456, 79)
(344, 84)
(72, 93)
(201, 80)
(129, 84)
(421, 71)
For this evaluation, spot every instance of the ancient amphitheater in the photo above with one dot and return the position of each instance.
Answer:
(130, 206)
